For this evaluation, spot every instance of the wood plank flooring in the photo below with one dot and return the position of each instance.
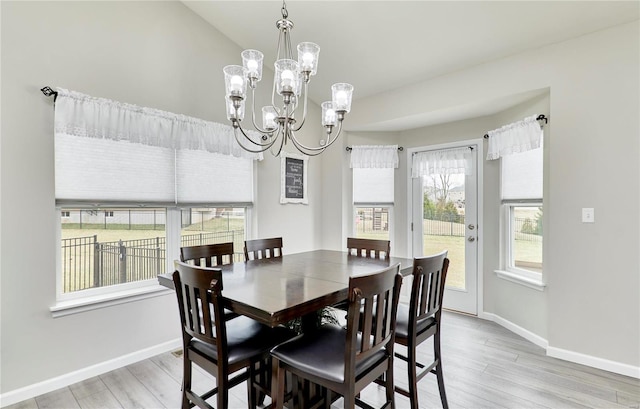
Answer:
(485, 366)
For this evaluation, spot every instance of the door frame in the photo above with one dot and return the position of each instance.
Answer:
(479, 143)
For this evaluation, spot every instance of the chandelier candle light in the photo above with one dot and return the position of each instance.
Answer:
(290, 83)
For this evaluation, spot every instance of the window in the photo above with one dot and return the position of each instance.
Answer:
(372, 222)
(113, 247)
(373, 190)
(524, 231)
(521, 188)
(373, 202)
(133, 185)
(214, 225)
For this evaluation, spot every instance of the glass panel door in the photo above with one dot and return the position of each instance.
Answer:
(445, 218)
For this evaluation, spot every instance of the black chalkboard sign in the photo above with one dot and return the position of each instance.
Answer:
(294, 178)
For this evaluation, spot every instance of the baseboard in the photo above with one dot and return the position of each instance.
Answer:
(571, 356)
(595, 362)
(37, 389)
(516, 329)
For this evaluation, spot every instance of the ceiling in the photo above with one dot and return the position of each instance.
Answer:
(380, 46)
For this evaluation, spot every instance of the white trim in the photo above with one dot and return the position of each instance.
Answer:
(520, 278)
(37, 389)
(566, 355)
(516, 329)
(79, 305)
(595, 362)
(480, 222)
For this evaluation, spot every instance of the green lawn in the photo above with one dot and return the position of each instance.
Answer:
(455, 252)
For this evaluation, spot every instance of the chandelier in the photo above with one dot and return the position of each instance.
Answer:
(290, 83)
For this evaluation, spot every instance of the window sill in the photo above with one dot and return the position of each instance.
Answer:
(531, 282)
(79, 305)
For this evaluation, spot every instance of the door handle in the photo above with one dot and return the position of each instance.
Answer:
(471, 238)
(472, 226)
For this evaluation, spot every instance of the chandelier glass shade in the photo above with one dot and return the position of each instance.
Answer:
(288, 96)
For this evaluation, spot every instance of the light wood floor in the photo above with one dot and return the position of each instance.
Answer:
(485, 366)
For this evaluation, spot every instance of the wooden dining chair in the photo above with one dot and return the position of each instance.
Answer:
(369, 248)
(421, 320)
(212, 254)
(345, 361)
(232, 351)
(262, 248)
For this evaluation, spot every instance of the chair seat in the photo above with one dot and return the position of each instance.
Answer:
(321, 353)
(402, 322)
(246, 338)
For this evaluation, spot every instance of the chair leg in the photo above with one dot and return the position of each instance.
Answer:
(349, 401)
(277, 384)
(412, 375)
(263, 367)
(186, 380)
(223, 389)
(251, 387)
(390, 388)
(438, 369)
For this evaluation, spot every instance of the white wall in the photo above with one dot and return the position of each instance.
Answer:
(155, 54)
(592, 270)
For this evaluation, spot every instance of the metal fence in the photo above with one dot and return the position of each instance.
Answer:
(87, 263)
(525, 229)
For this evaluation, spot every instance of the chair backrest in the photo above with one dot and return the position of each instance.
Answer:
(369, 248)
(427, 289)
(263, 248)
(198, 288)
(371, 316)
(213, 254)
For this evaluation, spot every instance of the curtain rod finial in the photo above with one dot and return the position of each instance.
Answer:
(47, 91)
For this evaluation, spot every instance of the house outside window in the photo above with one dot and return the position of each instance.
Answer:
(372, 222)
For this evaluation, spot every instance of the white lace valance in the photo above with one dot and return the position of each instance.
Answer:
(513, 138)
(371, 156)
(78, 114)
(442, 162)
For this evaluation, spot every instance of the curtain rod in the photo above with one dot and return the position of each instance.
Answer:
(349, 148)
(48, 91)
(540, 117)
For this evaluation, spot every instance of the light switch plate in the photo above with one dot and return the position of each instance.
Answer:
(588, 215)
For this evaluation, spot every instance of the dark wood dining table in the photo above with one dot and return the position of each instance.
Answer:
(277, 290)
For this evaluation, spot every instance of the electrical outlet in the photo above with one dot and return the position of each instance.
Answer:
(588, 215)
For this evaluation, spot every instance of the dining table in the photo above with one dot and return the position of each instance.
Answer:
(277, 290)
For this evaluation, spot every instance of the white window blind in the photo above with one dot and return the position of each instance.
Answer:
(204, 177)
(373, 186)
(373, 173)
(521, 175)
(110, 153)
(107, 171)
